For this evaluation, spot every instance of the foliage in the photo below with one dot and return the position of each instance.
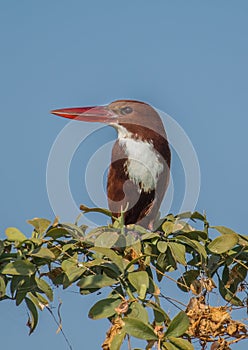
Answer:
(128, 261)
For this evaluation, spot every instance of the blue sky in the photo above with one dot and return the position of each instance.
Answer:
(187, 58)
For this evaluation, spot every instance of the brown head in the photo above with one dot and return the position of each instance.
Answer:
(135, 116)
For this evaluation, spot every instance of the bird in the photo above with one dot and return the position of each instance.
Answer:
(139, 172)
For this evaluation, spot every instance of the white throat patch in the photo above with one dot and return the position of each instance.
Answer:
(143, 166)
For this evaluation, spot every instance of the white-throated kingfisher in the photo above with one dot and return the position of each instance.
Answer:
(140, 165)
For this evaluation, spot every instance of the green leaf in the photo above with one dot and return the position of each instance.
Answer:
(161, 265)
(224, 230)
(109, 253)
(228, 295)
(23, 285)
(68, 246)
(38, 300)
(43, 302)
(44, 287)
(1, 248)
(68, 264)
(34, 241)
(19, 297)
(33, 315)
(153, 288)
(150, 235)
(168, 227)
(140, 281)
(138, 312)
(43, 253)
(104, 308)
(165, 262)
(213, 264)
(2, 287)
(223, 243)
(178, 325)
(57, 232)
(159, 314)
(137, 228)
(181, 344)
(99, 262)
(198, 216)
(73, 230)
(188, 215)
(169, 346)
(56, 250)
(162, 246)
(193, 244)
(73, 274)
(96, 281)
(133, 241)
(40, 224)
(139, 329)
(13, 234)
(117, 341)
(170, 261)
(225, 275)
(178, 251)
(19, 267)
(107, 239)
(195, 235)
(184, 215)
(16, 281)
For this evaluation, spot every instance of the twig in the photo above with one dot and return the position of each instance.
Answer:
(170, 278)
(129, 342)
(59, 324)
(173, 301)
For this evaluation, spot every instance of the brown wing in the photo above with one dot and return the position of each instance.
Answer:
(123, 194)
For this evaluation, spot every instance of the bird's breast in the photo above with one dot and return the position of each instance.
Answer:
(143, 165)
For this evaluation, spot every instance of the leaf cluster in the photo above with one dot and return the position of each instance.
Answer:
(130, 261)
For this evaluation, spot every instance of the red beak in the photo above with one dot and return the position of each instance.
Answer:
(88, 114)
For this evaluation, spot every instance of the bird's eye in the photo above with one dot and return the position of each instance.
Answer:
(126, 110)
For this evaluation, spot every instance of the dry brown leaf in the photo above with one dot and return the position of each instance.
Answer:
(196, 287)
(122, 308)
(208, 284)
(208, 323)
(116, 327)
